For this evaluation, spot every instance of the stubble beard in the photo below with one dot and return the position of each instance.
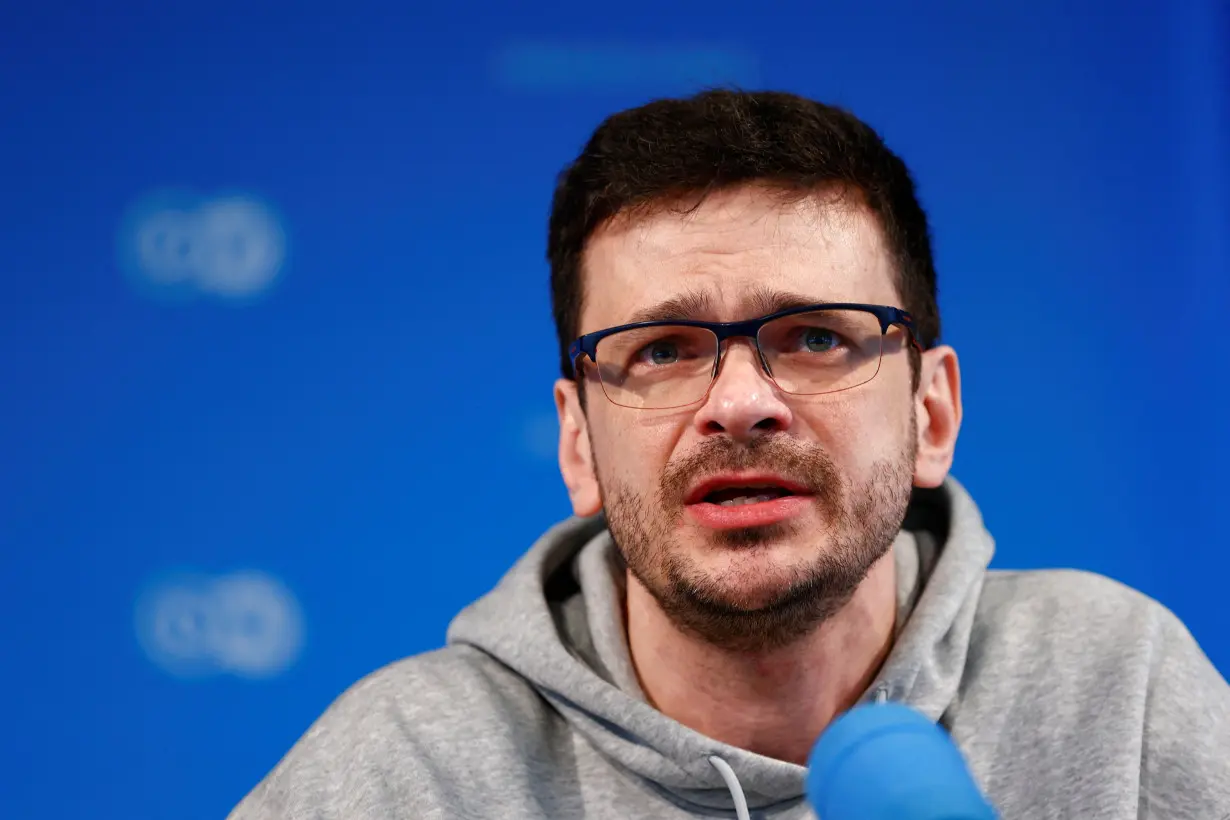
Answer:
(859, 526)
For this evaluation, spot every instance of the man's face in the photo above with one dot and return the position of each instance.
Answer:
(848, 456)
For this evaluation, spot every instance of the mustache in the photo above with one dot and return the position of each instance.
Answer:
(804, 464)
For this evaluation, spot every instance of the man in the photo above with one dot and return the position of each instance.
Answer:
(756, 426)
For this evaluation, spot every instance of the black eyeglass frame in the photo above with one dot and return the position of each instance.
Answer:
(887, 315)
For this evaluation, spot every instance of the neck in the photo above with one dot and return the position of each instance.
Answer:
(773, 703)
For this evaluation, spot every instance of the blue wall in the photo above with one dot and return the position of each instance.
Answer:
(250, 258)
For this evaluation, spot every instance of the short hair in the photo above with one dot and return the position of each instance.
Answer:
(671, 149)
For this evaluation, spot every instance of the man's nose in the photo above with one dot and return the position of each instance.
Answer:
(743, 401)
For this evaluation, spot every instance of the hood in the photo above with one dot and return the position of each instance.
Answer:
(556, 620)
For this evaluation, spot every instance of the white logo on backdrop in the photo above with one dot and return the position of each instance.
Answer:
(246, 624)
(228, 247)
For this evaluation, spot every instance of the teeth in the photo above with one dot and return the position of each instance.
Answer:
(747, 499)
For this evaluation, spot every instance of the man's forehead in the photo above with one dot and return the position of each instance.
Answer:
(748, 218)
(734, 257)
(757, 299)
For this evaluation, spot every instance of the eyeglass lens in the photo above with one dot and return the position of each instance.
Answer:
(668, 366)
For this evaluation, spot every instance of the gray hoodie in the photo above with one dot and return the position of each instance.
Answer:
(1071, 696)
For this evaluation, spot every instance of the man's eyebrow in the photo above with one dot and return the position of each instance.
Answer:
(686, 306)
(763, 301)
(760, 302)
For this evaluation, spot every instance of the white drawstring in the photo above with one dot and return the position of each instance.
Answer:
(732, 783)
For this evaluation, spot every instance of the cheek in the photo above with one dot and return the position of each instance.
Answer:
(860, 429)
(634, 452)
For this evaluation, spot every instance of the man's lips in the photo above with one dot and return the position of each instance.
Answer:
(745, 500)
(751, 482)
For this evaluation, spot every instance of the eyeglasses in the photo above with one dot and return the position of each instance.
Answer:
(808, 350)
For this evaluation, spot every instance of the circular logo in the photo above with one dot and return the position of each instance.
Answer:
(246, 624)
(230, 247)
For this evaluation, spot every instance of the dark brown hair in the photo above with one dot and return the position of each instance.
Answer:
(672, 149)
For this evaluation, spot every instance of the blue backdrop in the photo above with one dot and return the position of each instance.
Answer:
(253, 253)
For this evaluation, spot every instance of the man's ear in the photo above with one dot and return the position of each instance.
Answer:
(938, 410)
(576, 460)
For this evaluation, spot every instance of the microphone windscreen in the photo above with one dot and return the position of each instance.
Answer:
(891, 762)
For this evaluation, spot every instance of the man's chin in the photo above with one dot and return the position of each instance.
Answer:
(751, 581)
(737, 558)
(749, 600)
(764, 538)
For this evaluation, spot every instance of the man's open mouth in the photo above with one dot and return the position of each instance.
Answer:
(737, 496)
(739, 489)
(739, 500)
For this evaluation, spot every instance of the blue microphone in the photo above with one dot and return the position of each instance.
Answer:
(890, 762)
